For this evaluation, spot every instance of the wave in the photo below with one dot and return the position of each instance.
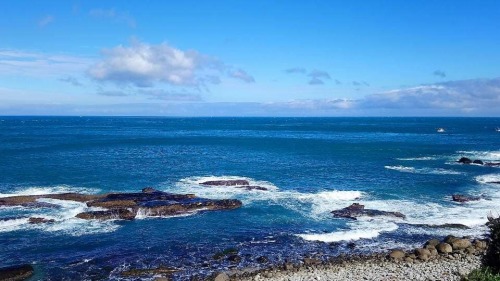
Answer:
(425, 158)
(366, 229)
(425, 171)
(488, 179)
(38, 190)
(493, 155)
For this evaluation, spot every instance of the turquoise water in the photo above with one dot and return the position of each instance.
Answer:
(311, 166)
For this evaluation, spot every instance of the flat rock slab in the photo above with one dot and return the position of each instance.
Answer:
(357, 210)
(15, 273)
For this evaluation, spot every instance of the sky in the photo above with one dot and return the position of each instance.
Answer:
(250, 58)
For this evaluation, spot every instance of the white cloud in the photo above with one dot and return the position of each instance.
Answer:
(115, 15)
(45, 20)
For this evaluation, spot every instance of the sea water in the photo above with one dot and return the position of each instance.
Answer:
(310, 167)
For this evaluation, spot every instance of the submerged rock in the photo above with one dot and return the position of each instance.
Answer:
(123, 214)
(226, 182)
(15, 273)
(30, 201)
(464, 160)
(35, 220)
(464, 198)
(478, 162)
(357, 210)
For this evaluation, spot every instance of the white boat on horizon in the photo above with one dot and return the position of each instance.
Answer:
(441, 130)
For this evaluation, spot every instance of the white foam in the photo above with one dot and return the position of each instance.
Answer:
(12, 225)
(38, 190)
(360, 229)
(427, 171)
(493, 155)
(425, 158)
(485, 179)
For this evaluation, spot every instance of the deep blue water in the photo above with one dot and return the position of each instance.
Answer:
(311, 166)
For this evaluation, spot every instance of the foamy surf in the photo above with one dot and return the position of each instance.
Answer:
(39, 190)
(425, 171)
(493, 155)
(425, 158)
(489, 179)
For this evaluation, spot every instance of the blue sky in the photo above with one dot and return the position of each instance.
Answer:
(269, 58)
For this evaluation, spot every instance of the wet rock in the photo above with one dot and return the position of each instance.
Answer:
(397, 254)
(171, 208)
(15, 273)
(464, 160)
(444, 248)
(226, 182)
(262, 259)
(357, 210)
(478, 162)
(112, 204)
(35, 220)
(107, 215)
(30, 201)
(432, 242)
(446, 225)
(492, 164)
(464, 198)
(252, 187)
(149, 271)
(460, 244)
(449, 239)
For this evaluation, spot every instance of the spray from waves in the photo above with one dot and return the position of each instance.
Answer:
(39, 190)
(426, 158)
(493, 155)
(488, 179)
(313, 205)
(64, 216)
(360, 229)
(424, 171)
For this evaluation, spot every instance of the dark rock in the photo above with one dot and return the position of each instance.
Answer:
(35, 220)
(123, 214)
(478, 162)
(226, 182)
(464, 160)
(252, 187)
(149, 271)
(357, 210)
(464, 198)
(262, 259)
(15, 273)
(149, 190)
(351, 245)
(30, 201)
(446, 225)
(492, 164)
(234, 258)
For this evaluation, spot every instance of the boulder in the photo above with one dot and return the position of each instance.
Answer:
(397, 254)
(464, 160)
(449, 239)
(492, 164)
(432, 242)
(226, 182)
(35, 220)
(422, 254)
(460, 244)
(480, 244)
(444, 248)
(15, 273)
(478, 162)
(357, 210)
(464, 198)
(221, 277)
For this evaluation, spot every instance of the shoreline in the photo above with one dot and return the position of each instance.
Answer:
(449, 259)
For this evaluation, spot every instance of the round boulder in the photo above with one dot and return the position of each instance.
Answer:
(444, 248)
(460, 244)
(432, 242)
(397, 254)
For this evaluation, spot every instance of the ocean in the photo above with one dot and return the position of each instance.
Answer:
(310, 166)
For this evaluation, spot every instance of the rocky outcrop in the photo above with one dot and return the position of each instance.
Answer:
(357, 210)
(126, 206)
(15, 273)
(464, 198)
(244, 184)
(35, 220)
(465, 160)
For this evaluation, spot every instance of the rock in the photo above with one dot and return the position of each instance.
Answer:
(444, 248)
(478, 162)
(311, 261)
(470, 250)
(149, 271)
(262, 259)
(446, 225)
(460, 244)
(433, 252)
(149, 190)
(15, 273)
(226, 182)
(464, 160)
(288, 266)
(408, 259)
(397, 254)
(252, 187)
(35, 220)
(221, 277)
(234, 258)
(432, 242)
(422, 254)
(492, 164)
(449, 239)
(30, 201)
(107, 215)
(464, 198)
(480, 244)
(357, 210)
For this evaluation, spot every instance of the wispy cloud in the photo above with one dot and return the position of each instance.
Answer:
(114, 15)
(301, 70)
(45, 20)
(242, 75)
(439, 73)
(71, 80)
(154, 94)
